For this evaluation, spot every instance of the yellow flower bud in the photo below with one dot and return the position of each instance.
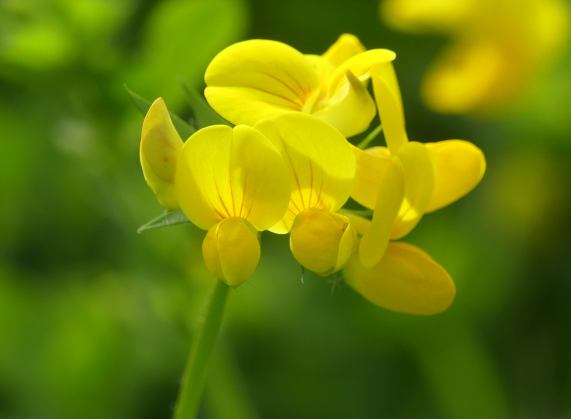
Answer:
(322, 241)
(159, 151)
(231, 250)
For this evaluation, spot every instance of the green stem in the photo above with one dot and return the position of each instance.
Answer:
(372, 135)
(188, 400)
(360, 212)
(226, 395)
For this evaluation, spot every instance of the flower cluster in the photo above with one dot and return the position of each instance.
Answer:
(288, 168)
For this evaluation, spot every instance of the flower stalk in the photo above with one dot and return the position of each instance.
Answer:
(370, 137)
(190, 393)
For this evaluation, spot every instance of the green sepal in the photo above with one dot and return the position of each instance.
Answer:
(168, 218)
(184, 128)
(203, 114)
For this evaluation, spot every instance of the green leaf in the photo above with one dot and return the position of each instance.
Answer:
(203, 114)
(140, 102)
(168, 218)
(184, 128)
(179, 39)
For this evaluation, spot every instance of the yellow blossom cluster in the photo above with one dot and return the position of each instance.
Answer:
(287, 167)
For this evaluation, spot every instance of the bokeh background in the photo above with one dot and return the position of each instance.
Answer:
(96, 321)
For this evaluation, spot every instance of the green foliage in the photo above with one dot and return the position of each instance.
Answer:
(180, 38)
(95, 320)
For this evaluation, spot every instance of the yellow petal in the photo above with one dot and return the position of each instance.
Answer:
(458, 168)
(258, 79)
(360, 65)
(344, 48)
(351, 110)
(322, 67)
(389, 103)
(389, 199)
(227, 172)
(321, 162)
(159, 150)
(258, 168)
(418, 167)
(371, 165)
(231, 250)
(406, 280)
(322, 241)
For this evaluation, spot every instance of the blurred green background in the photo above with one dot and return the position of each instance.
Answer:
(96, 321)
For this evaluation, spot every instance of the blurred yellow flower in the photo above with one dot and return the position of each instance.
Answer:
(497, 47)
(322, 167)
(401, 183)
(259, 79)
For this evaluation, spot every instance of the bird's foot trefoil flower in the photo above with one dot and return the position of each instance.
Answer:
(288, 168)
(231, 182)
(322, 168)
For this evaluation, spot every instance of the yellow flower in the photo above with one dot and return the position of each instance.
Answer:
(401, 183)
(497, 46)
(232, 182)
(322, 167)
(260, 79)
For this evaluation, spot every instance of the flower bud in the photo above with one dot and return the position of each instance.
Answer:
(322, 241)
(231, 250)
(159, 150)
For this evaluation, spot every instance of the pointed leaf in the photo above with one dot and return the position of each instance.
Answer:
(168, 218)
(184, 128)
(203, 114)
